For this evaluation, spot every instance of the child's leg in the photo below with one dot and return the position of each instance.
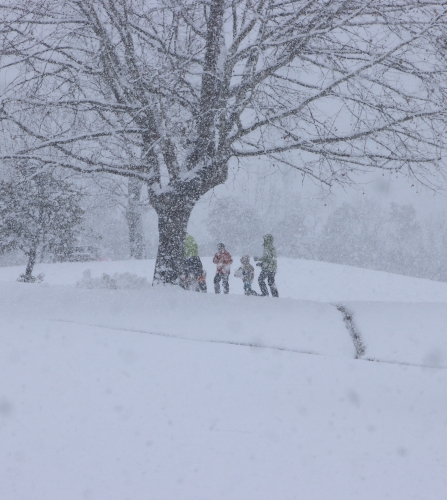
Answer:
(226, 285)
(262, 285)
(202, 283)
(272, 284)
(217, 279)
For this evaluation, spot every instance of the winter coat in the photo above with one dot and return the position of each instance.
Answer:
(246, 272)
(223, 261)
(191, 248)
(193, 265)
(268, 259)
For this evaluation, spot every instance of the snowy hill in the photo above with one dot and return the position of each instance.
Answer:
(160, 393)
(297, 279)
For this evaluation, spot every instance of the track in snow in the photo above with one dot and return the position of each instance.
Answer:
(245, 344)
(170, 336)
(353, 331)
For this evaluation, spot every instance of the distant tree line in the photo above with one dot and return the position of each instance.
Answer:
(48, 217)
(362, 233)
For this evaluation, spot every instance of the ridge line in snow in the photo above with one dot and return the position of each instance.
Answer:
(403, 363)
(353, 330)
(243, 344)
(210, 341)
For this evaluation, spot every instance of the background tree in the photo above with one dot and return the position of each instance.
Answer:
(365, 234)
(236, 225)
(168, 92)
(120, 195)
(134, 212)
(355, 234)
(434, 263)
(39, 212)
(291, 234)
(404, 241)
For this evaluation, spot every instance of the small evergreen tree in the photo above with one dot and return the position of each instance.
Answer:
(39, 212)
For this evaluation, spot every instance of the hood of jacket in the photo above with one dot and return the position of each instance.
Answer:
(191, 249)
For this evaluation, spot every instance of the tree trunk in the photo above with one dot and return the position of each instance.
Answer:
(30, 266)
(134, 219)
(173, 216)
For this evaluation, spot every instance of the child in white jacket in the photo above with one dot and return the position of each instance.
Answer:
(247, 273)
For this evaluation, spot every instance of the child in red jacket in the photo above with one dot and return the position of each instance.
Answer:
(223, 261)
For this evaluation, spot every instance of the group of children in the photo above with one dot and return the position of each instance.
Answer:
(223, 261)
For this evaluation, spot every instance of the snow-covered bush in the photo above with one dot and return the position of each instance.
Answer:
(24, 278)
(118, 280)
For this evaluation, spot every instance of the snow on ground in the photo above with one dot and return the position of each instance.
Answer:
(403, 333)
(310, 327)
(297, 279)
(163, 394)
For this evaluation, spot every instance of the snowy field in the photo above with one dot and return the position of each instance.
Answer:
(157, 393)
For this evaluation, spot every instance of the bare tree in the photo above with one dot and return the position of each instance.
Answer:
(169, 91)
(126, 195)
(134, 218)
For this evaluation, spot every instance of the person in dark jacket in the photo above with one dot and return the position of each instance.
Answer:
(223, 261)
(269, 266)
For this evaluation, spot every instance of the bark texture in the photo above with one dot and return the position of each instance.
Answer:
(30, 265)
(173, 217)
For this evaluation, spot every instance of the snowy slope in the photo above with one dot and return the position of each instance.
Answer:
(297, 279)
(286, 324)
(163, 394)
(404, 333)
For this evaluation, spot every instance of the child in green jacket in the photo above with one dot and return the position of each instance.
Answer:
(194, 274)
(269, 267)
